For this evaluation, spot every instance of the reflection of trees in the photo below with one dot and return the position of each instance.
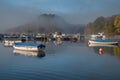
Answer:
(110, 50)
(106, 50)
(116, 51)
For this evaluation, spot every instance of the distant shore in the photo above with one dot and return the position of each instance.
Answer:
(114, 37)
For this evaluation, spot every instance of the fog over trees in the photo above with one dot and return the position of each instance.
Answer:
(48, 23)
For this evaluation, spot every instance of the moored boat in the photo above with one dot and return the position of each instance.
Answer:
(98, 36)
(101, 45)
(103, 42)
(11, 41)
(29, 46)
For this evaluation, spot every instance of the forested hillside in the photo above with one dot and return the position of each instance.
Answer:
(108, 25)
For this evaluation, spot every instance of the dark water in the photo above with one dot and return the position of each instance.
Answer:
(68, 61)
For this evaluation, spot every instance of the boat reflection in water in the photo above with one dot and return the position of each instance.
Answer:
(101, 49)
(102, 45)
(29, 53)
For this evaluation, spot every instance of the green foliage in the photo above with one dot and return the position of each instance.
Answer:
(109, 30)
(96, 26)
(109, 25)
(117, 52)
(117, 23)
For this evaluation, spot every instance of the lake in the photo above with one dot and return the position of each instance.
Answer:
(67, 61)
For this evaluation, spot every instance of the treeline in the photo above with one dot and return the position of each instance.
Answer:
(109, 25)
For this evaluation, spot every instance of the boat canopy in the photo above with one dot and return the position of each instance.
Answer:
(29, 44)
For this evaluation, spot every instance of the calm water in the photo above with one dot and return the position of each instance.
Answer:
(68, 61)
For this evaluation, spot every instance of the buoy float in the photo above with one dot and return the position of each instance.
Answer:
(101, 51)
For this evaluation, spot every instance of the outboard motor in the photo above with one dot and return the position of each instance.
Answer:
(41, 47)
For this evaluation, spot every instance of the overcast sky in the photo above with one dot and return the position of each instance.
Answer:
(17, 12)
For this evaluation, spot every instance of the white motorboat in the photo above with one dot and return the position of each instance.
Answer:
(103, 42)
(29, 46)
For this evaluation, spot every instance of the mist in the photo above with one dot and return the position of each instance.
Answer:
(15, 17)
(14, 13)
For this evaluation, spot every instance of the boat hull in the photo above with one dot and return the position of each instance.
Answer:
(101, 45)
(28, 47)
(104, 42)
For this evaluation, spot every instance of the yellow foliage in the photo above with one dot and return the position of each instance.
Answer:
(117, 23)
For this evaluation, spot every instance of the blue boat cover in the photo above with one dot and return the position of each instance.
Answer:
(104, 40)
(28, 44)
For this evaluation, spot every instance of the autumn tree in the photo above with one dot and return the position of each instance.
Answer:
(109, 28)
(117, 23)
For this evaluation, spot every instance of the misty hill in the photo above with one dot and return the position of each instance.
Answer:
(48, 23)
